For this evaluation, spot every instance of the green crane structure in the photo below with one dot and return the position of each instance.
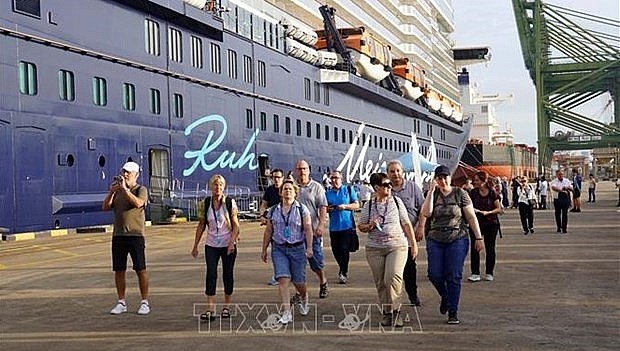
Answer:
(569, 65)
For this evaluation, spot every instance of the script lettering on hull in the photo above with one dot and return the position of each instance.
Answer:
(227, 159)
(420, 170)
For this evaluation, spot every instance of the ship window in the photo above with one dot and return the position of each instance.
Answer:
(263, 121)
(249, 119)
(28, 7)
(363, 138)
(27, 78)
(129, 96)
(407, 147)
(391, 145)
(380, 143)
(343, 134)
(271, 34)
(308, 129)
(336, 134)
(326, 95)
(232, 64)
(258, 29)
(66, 85)
(298, 125)
(287, 122)
(318, 131)
(247, 69)
(326, 132)
(261, 74)
(151, 37)
(175, 45)
(374, 142)
(100, 91)
(307, 91)
(317, 92)
(178, 105)
(196, 52)
(155, 101)
(216, 65)
(276, 124)
(484, 108)
(350, 137)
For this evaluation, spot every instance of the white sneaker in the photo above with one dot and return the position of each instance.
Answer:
(304, 309)
(144, 308)
(342, 279)
(474, 278)
(489, 278)
(287, 317)
(121, 307)
(272, 281)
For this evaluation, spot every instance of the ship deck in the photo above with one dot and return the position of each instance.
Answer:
(551, 291)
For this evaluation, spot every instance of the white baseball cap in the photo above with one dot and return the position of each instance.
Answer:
(131, 167)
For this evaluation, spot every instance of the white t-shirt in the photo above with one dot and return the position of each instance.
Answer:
(543, 188)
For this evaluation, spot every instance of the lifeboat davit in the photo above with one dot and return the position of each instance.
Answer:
(457, 115)
(410, 78)
(372, 58)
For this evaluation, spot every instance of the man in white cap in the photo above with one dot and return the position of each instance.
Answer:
(128, 200)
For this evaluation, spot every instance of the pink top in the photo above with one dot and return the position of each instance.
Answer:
(219, 228)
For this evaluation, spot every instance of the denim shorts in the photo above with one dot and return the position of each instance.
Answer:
(317, 262)
(289, 262)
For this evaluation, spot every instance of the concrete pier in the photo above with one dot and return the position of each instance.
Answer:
(551, 292)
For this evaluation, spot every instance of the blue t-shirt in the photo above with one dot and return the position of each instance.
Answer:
(341, 219)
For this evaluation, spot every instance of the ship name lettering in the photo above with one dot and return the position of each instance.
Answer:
(227, 157)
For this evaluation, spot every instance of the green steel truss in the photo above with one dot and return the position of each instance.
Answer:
(569, 65)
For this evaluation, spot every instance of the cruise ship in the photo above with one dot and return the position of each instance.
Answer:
(190, 88)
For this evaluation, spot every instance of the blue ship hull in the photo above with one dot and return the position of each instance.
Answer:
(77, 101)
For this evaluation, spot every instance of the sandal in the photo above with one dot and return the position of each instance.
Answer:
(225, 312)
(207, 316)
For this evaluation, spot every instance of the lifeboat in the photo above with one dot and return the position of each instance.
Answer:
(446, 108)
(298, 31)
(327, 59)
(372, 58)
(433, 100)
(410, 78)
(301, 51)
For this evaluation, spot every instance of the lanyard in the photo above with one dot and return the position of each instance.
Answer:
(217, 223)
(384, 210)
(288, 215)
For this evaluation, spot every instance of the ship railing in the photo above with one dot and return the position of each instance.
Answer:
(185, 198)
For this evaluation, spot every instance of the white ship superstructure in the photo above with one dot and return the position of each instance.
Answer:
(416, 29)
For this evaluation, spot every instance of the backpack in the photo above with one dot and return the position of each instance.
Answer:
(228, 204)
(458, 198)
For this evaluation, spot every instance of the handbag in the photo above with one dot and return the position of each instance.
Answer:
(354, 242)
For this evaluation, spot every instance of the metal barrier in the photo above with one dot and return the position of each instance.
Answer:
(169, 200)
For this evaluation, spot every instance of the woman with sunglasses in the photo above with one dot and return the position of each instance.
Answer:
(449, 210)
(390, 233)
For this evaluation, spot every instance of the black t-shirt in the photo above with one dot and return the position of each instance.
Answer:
(484, 203)
(271, 196)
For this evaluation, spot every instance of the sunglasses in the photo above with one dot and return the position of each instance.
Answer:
(386, 185)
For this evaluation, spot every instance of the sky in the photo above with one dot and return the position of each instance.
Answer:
(492, 23)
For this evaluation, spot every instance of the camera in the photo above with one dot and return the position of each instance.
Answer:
(118, 178)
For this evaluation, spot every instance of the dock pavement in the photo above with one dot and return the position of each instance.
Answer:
(551, 292)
